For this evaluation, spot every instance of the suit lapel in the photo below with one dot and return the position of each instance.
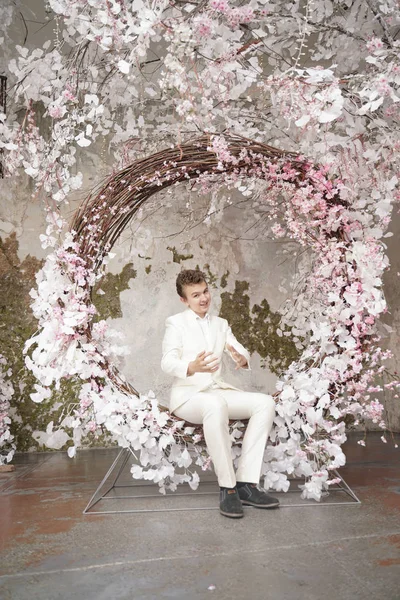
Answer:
(213, 331)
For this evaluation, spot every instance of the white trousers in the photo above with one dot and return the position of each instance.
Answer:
(213, 408)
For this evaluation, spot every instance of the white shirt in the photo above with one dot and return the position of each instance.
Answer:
(204, 324)
(205, 327)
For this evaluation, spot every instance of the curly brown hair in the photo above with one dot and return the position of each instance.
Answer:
(189, 277)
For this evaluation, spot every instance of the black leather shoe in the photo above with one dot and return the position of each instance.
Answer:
(229, 503)
(250, 495)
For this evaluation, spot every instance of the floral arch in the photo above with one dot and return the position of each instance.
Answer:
(328, 387)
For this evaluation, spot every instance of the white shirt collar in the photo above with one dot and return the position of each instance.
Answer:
(205, 319)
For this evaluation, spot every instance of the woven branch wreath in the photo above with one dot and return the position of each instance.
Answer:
(334, 316)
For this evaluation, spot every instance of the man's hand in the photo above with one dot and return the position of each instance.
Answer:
(240, 360)
(203, 364)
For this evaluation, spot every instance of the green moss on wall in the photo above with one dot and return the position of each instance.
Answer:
(257, 329)
(31, 416)
(107, 302)
(224, 280)
(176, 257)
(211, 277)
(235, 308)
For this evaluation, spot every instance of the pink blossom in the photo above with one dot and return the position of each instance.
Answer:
(374, 44)
(221, 6)
(203, 27)
(56, 111)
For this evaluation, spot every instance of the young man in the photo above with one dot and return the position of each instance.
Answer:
(192, 350)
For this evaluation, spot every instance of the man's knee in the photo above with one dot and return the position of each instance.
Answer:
(216, 407)
(265, 403)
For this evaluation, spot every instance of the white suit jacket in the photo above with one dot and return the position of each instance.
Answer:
(183, 341)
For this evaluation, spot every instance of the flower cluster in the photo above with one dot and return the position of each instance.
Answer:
(209, 65)
(333, 317)
(7, 446)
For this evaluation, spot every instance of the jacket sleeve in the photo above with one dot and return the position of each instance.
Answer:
(232, 341)
(171, 362)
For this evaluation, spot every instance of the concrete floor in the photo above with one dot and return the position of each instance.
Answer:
(49, 550)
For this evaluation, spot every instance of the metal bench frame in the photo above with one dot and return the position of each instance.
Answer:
(110, 483)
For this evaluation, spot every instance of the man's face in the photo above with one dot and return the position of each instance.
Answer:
(197, 297)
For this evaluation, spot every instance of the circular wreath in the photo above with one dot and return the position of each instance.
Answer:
(333, 315)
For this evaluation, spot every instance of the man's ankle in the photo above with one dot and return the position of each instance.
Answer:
(240, 484)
